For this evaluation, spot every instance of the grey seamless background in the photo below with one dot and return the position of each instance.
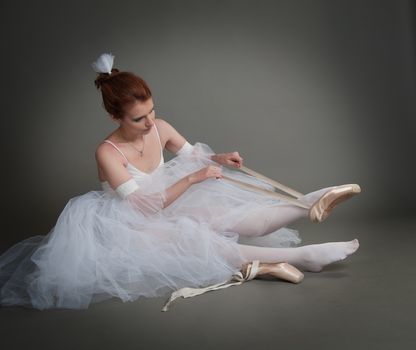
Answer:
(310, 93)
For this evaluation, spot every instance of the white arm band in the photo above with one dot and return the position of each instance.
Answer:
(185, 149)
(127, 188)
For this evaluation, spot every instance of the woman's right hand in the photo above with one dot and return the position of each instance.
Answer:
(205, 173)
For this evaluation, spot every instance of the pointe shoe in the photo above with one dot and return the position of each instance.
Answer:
(281, 270)
(323, 206)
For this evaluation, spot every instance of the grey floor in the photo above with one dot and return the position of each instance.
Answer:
(364, 302)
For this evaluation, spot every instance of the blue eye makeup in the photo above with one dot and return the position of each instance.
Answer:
(140, 118)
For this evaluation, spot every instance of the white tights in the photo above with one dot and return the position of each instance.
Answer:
(310, 257)
(267, 220)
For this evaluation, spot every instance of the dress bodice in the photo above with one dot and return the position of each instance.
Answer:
(135, 173)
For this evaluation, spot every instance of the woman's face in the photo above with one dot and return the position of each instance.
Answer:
(140, 116)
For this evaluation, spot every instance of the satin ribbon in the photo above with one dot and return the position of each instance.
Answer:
(296, 194)
(237, 278)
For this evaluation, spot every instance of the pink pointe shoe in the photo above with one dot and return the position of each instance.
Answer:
(281, 270)
(323, 206)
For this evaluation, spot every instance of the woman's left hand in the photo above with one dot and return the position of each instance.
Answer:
(232, 159)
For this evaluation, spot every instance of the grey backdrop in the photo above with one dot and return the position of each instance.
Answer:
(311, 93)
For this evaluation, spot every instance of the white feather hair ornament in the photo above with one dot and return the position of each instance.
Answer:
(104, 63)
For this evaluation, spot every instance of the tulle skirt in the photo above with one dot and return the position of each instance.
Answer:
(101, 247)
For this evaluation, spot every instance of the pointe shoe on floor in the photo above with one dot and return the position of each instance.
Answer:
(323, 206)
(280, 270)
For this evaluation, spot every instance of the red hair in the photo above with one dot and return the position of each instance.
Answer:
(120, 90)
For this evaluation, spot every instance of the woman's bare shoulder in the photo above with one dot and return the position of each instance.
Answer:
(173, 140)
(164, 129)
(105, 152)
(162, 124)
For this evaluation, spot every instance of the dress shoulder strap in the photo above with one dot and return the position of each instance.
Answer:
(160, 142)
(111, 143)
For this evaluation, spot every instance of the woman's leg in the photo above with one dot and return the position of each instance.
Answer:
(311, 257)
(266, 220)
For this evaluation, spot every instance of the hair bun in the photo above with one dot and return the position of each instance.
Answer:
(103, 77)
(100, 79)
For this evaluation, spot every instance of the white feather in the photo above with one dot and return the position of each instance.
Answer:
(104, 63)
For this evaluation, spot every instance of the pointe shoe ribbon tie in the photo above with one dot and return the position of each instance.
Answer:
(251, 272)
(188, 292)
(318, 212)
(266, 192)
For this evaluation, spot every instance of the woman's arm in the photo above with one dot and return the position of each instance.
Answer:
(174, 140)
(174, 191)
(176, 143)
(178, 188)
(232, 159)
(121, 181)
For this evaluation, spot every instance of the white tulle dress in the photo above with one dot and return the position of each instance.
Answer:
(104, 246)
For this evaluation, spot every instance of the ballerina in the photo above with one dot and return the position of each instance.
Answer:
(157, 227)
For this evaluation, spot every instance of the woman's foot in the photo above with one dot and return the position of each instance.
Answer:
(315, 256)
(320, 210)
(281, 270)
